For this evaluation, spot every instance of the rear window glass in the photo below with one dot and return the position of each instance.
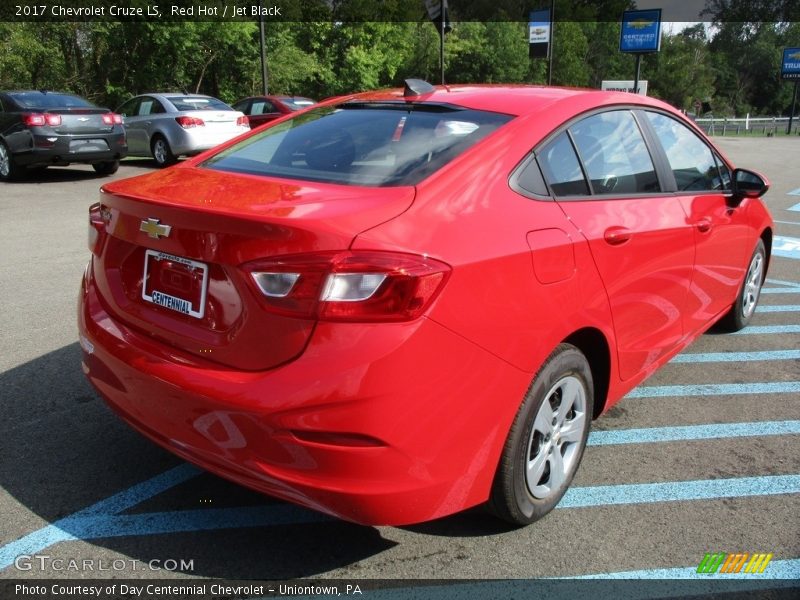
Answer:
(50, 100)
(199, 103)
(297, 103)
(360, 144)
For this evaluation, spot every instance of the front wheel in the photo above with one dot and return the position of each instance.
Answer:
(742, 311)
(547, 439)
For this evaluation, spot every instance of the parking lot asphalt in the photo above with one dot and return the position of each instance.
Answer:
(703, 457)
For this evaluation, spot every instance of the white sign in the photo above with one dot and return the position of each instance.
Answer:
(539, 33)
(624, 86)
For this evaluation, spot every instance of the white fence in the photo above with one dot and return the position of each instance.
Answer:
(757, 126)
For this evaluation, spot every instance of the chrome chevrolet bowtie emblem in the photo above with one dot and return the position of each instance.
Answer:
(154, 229)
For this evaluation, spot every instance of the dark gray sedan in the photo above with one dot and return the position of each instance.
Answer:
(166, 126)
(40, 129)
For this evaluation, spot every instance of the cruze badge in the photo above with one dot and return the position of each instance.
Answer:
(154, 229)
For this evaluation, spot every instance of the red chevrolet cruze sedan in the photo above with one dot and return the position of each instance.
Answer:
(396, 305)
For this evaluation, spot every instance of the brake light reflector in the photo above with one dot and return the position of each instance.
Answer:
(99, 219)
(243, 121)
(189, 122)
(112, 119)
(39, 119)
(349, 286)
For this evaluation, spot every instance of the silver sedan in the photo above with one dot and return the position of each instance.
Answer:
(168, 125)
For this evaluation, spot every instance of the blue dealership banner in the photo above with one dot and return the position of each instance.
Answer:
(641, 31)
(539, 32)
(790, 65)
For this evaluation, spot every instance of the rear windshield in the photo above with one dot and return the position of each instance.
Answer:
(49, 100)
(360, 143)
(192, 103)
(297, 103)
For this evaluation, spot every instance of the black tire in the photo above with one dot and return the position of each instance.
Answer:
(9, 169)
(565, 383)
(162, 153)
(108, 167)
(742, 311)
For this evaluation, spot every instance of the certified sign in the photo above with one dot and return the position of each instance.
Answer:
(641, 31)
(539, 31)
(790, 66)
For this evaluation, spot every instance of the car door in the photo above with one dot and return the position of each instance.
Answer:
(262, 111)
(133, 128)
(603, 177)
(702, 184)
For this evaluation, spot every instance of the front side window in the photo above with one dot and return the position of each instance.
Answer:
(380, 144)
(691, 161)
(614, 154)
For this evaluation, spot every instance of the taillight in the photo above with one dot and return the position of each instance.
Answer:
(112, 119)
(39, 119)
(349, 286)
(99, 219)
(243, 121)
(188, 122)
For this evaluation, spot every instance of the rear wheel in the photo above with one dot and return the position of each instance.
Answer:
(108, 167)
(9, 169)
(742, 311)
(162, 153)
(547, 439)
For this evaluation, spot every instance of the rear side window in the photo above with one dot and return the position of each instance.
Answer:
(691, 161)
(614, 154)
(561, 168)
(49, 100)
(197, 103)
(262, 107)
(361, 143)
(150, 106)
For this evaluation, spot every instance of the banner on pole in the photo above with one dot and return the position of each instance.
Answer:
(435, 8)
(539, 32)
(790, 65)
(641, 31)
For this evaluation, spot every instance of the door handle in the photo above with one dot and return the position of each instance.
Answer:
(617, 235)
(703, 225)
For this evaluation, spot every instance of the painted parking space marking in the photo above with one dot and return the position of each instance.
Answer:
(780, 290)
(677, 491)
(778, 308)
(715, 389)
(789, 222)
(788, 247)
(767, 329)
(693, 432)
(715, 357)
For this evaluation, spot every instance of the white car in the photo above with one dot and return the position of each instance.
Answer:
(168, 125)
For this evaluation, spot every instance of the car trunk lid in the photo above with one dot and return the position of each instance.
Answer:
(81, 121)
(171, 264)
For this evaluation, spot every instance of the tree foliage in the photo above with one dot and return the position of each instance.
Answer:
(335, 48)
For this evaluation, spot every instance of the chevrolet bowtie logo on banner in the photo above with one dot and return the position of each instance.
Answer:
(740, 562)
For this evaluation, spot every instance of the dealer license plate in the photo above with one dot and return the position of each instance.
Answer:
(176, 283)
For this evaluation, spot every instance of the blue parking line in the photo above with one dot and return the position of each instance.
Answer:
(62, 529)
(787, 247)
(789, 222)
(793, 284)
(714, 389)
(785, 290)
(794, 193)
(679, 491)
(777, 569)
(778, 308)
(715, 357)
(767, 329)
(693, 432)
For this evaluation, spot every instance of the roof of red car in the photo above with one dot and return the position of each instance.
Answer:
(512, 99)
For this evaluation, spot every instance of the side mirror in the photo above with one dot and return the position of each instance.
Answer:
(748, 184)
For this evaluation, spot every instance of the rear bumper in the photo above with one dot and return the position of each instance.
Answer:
(199, 139)
(44, 151)
(376, 424)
